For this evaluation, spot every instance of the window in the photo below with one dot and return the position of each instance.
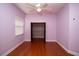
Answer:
(19, 26)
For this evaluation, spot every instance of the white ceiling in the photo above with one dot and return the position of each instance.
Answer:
(29, 8)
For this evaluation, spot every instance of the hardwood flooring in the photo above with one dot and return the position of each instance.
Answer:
(39, 48)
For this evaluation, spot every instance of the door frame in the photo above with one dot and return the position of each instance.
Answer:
(44, 29)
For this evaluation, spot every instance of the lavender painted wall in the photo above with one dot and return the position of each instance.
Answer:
(50, 25)
(68, 28)
(8, 40)
(62, 26)
(74, 27)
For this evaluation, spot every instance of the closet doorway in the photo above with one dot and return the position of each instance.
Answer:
(38, 31)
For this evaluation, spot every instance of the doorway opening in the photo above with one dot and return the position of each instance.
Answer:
(38, 31)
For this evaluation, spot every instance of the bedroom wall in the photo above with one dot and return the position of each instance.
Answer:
(8, 40)
(62, 26)
(68, 27)
(50, 25)
(74, 27)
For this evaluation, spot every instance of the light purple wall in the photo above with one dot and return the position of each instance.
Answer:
(8, 12)
(74, 27)
(50, 25)
(62, 26)
(68, 28)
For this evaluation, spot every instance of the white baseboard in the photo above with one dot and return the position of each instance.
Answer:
(63, 47)
(73, 53)
(46, 40)
(6, 53)
(27, 40)
(50, 40)
(68, 51)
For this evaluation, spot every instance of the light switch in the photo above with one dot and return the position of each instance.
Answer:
(73, 18)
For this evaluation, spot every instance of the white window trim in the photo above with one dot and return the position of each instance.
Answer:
(19, 23)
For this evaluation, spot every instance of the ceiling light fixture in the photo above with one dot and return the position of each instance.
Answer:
(39, 9)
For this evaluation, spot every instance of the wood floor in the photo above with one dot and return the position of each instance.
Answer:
(39, 48)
